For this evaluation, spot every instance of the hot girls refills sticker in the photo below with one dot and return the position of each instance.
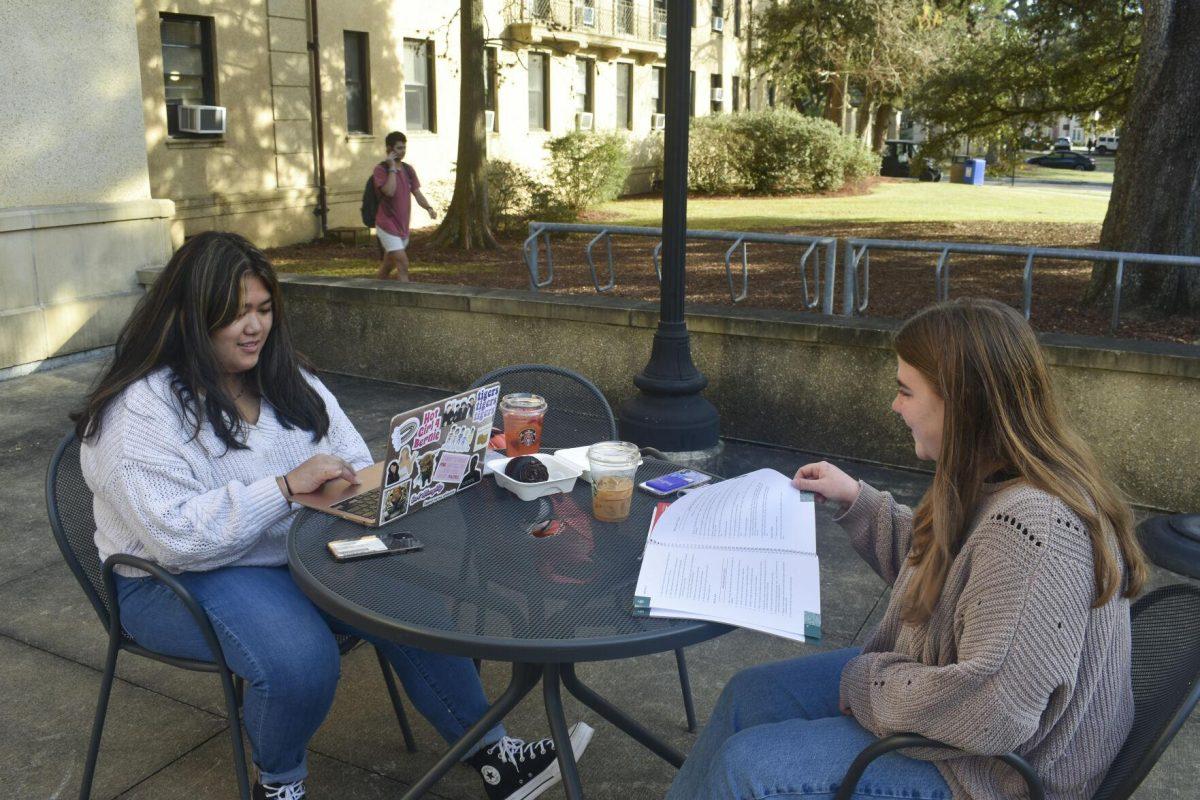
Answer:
(452, 467)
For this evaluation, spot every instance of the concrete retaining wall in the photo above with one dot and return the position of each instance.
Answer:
(811, 382)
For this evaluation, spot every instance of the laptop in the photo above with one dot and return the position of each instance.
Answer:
(433, 452)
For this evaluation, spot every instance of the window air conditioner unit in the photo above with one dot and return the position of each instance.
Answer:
(658, 122)
(718, 95)
(489, 121)
(587, 16)
(202, 119)
(718, 24)
(660, 30)
(583, 120)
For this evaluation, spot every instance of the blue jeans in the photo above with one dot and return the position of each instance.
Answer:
(284, 647)
(777, 732)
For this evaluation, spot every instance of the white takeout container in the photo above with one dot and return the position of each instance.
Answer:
(578, 458)
(562, 477)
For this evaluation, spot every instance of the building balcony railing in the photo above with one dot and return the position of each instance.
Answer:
(630, 26)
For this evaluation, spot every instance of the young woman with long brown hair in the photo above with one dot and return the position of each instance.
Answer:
(1008, 623)
(193, 441)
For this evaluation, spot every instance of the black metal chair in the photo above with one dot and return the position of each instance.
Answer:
(69, 505)
(577, 414)
(1166, 687)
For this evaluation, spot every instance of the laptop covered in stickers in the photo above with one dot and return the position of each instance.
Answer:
(433, 452)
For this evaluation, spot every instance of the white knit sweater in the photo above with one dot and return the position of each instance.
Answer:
(192, 506)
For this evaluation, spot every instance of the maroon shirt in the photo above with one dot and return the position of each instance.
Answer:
(394, 212)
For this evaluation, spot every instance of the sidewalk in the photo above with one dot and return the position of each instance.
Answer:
(165, 736)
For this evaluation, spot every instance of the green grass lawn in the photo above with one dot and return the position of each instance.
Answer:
(885, 202)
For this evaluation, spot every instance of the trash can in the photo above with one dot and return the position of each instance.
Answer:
(957, 172)
(973, 171)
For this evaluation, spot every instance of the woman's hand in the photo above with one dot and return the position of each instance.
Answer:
(314, 473)
(827, 482)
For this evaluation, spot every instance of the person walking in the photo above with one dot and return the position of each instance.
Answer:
(396, 182)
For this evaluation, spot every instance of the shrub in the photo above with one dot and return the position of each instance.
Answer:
(778, 151)
(586, 169)
(512, 194)
(715, 148)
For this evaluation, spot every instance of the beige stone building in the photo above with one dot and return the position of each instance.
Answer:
(311, 87)
(113, 162)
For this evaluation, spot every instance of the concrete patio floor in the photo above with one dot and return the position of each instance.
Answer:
(166, 735)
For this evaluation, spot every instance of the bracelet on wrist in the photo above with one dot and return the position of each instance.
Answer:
(287, 485)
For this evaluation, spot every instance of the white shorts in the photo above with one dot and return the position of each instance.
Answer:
(391, 242)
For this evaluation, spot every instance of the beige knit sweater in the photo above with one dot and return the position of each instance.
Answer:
(1013, 658)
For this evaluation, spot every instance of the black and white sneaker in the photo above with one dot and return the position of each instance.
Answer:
(279, 791)
(513, 769)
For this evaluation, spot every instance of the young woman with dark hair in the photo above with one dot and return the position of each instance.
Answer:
(193, 440)
(1008, 623)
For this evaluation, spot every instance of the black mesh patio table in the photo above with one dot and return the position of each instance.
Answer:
(485, 586)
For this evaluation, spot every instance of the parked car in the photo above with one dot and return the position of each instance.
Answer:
(1064, 161)
(1107, 144)
(900, 155)
(1062, 143)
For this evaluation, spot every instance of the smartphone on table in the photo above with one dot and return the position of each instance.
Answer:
(368, 546)
(674, 482)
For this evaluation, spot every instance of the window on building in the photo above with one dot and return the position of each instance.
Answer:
(692, 93)
(585, 74)
(736, 88)
(625, 16)
(188, 73)
(358, 84)
(658, 90)
(418, 85)
(659, 18)
(539, 97)
(624, 96)
(718, 8)
(491, 74)
(717, 93)
(737, 18)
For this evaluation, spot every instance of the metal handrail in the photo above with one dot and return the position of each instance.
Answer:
(822, 296)
(858, 250)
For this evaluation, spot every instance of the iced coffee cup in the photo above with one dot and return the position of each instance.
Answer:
(613, 466)
(523, 414)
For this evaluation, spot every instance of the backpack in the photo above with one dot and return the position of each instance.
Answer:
(370, 197)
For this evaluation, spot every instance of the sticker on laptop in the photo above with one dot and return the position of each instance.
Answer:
(403, 433)
(430, 429)
(485, 404)
(452, 467)
(458, 409)
(393, 473)
(395, 502)
(460, 439)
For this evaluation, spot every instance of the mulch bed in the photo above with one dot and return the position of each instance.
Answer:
(900, 284)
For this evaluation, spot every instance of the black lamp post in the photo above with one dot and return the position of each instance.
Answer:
(670, 413)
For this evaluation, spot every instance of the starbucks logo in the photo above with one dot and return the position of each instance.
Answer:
(527, 437)
(491, 775)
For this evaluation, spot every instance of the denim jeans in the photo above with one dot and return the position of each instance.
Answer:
(284, 648)
(777, 732)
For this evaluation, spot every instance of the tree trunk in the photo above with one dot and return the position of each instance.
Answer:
(835, 104)
(883, 121)
(1155, 204)
(466, 224)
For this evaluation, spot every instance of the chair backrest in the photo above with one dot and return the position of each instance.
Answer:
(69, 505)
(577, 413)
(1166, 682)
